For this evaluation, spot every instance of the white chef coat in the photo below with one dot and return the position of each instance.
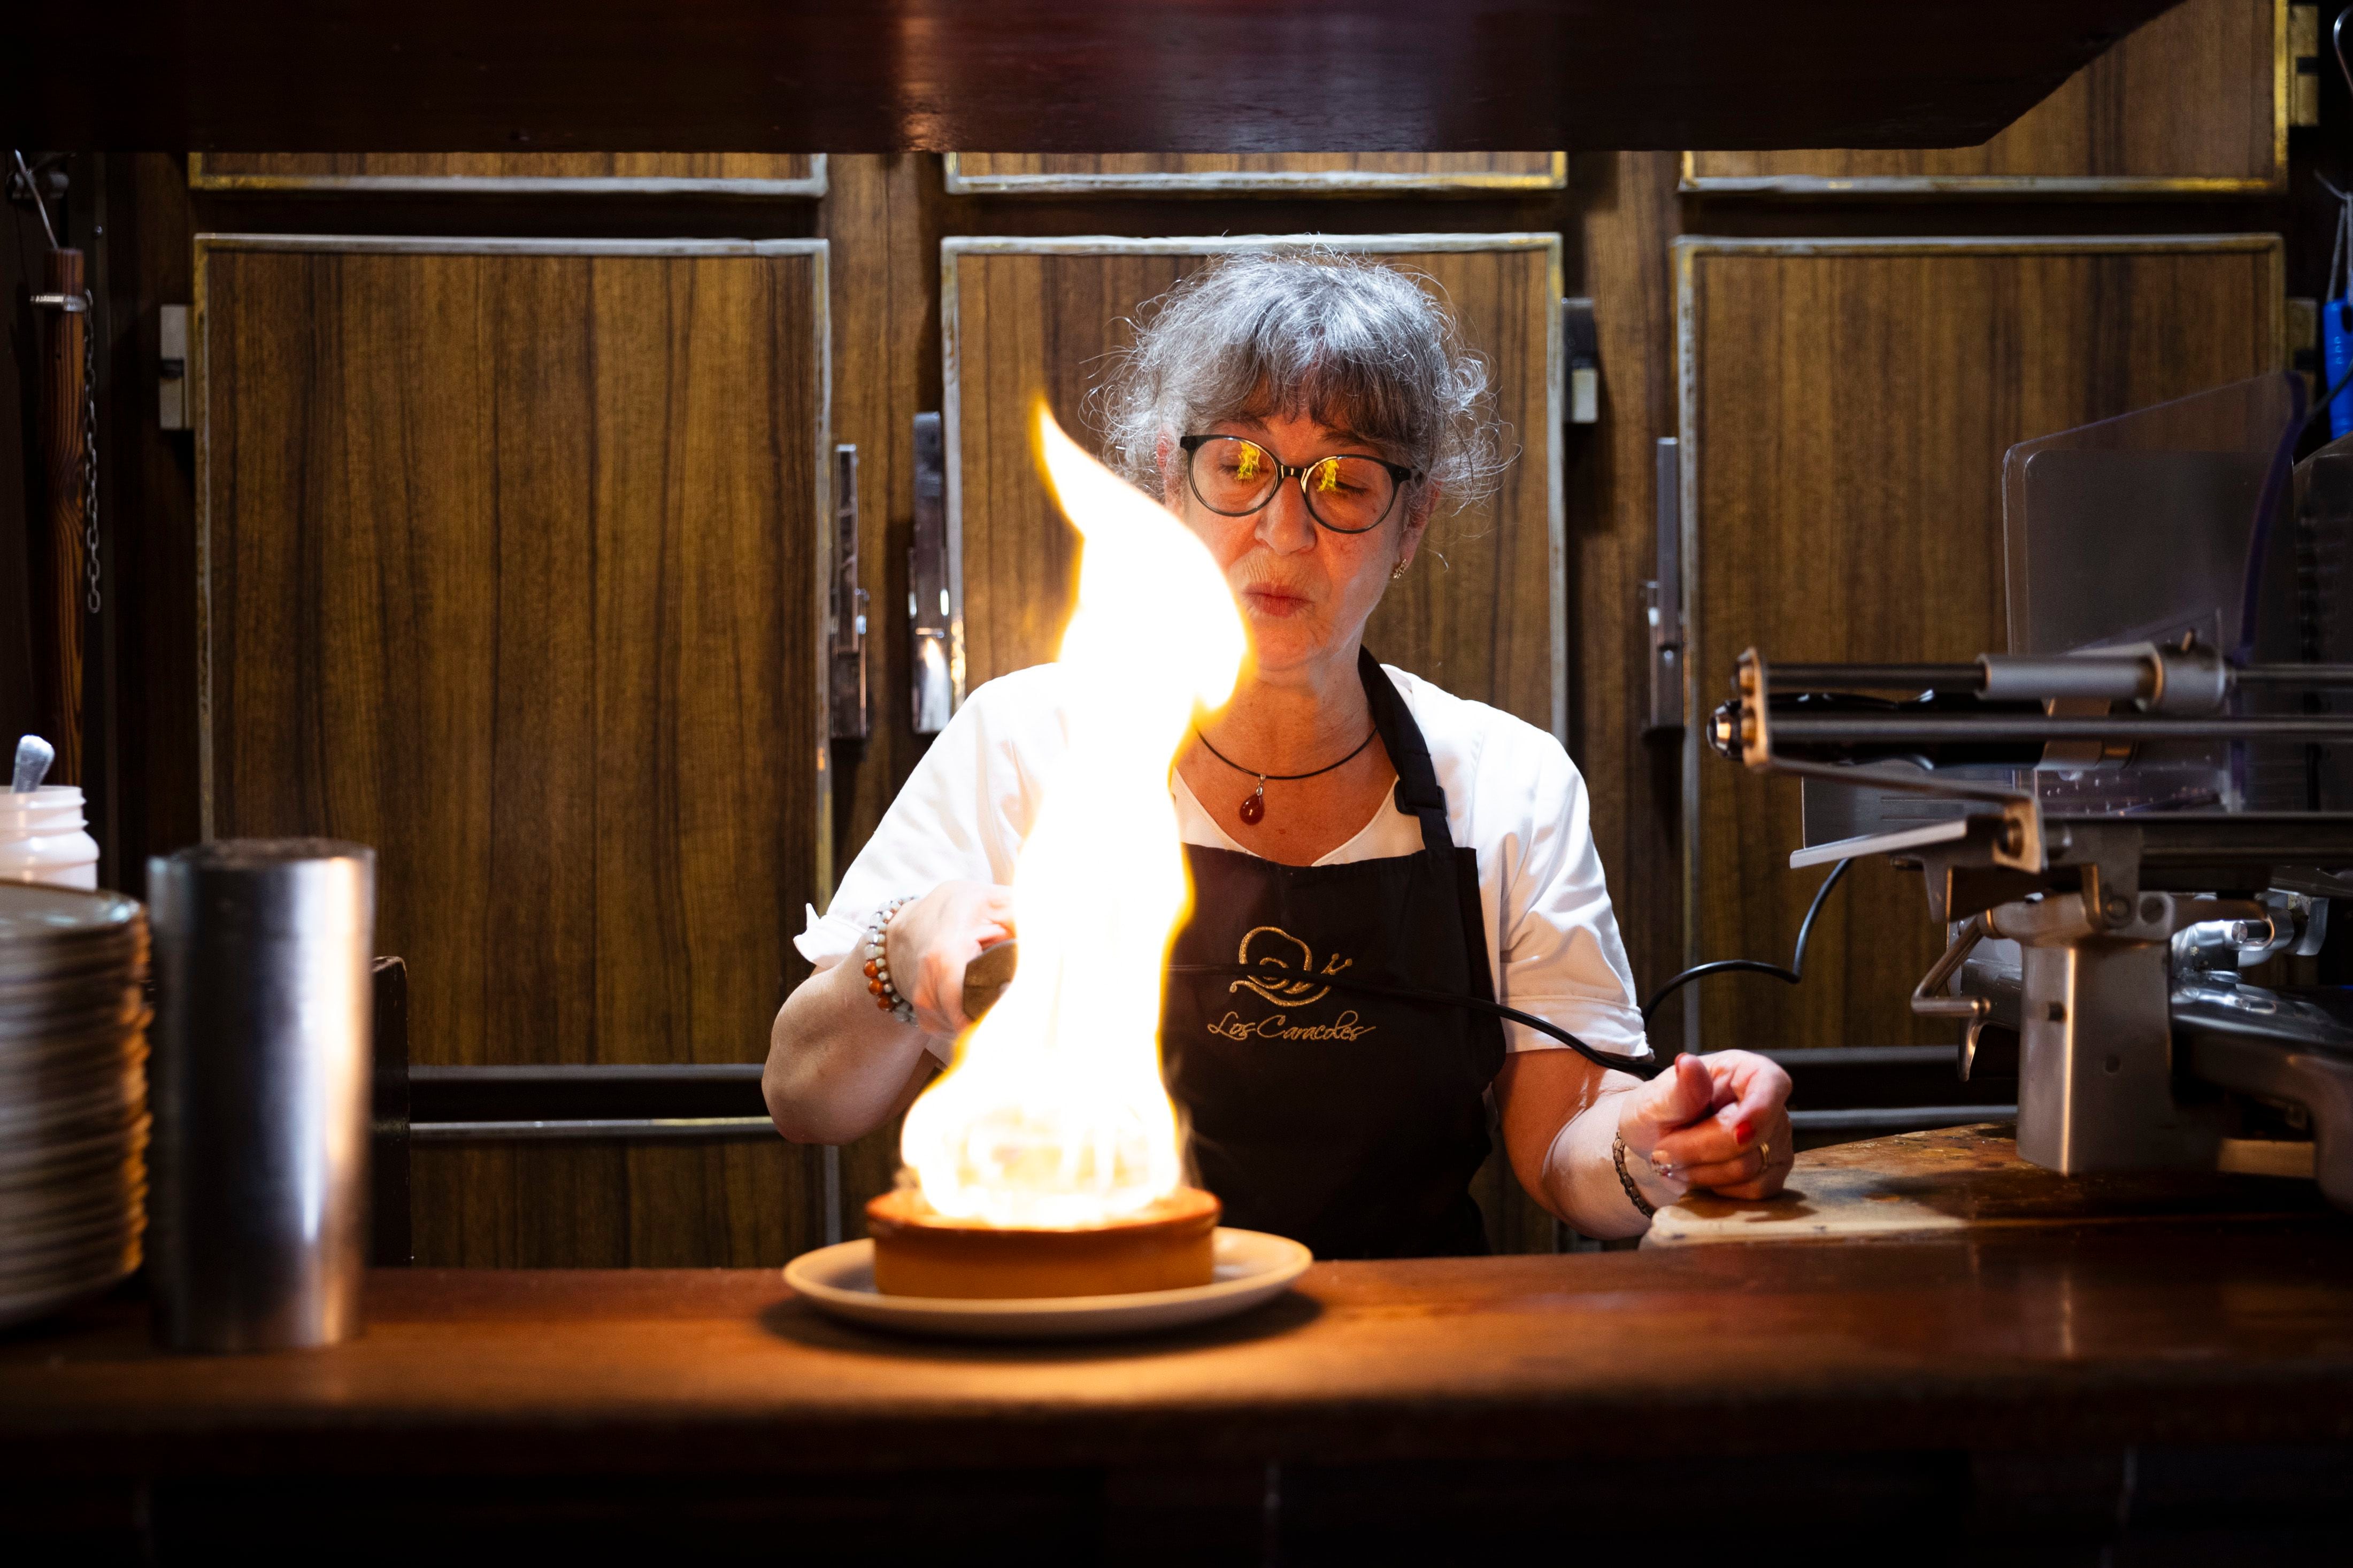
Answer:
(1511, 795)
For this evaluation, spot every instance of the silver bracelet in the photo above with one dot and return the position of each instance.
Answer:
(1618, 1154)
(878, 963)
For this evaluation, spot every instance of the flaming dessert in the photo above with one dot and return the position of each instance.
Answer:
(1047, 1160)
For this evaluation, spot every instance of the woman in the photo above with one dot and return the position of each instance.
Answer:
(1307, 415)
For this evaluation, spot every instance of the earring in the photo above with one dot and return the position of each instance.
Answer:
(1396, 572)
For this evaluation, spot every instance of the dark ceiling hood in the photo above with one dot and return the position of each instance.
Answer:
(1039, 75)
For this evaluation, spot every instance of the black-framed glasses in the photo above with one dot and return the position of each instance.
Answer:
(1234, 476)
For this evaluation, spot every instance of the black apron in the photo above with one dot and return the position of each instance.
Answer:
(1351, 1124)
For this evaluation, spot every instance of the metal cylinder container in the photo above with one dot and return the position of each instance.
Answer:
(261, 1069)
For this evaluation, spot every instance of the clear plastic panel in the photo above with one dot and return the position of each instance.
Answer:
(2149, 527)
(2142, 527)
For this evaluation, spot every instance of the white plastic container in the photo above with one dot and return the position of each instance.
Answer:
(44, 839)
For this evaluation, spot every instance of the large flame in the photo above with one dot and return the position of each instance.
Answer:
(1054, 1114)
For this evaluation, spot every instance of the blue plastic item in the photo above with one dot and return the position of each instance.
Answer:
(2335, 357)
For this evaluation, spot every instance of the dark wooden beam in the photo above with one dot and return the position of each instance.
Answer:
(1041, 74)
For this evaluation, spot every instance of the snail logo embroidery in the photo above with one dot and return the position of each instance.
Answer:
(1281, 948)
(1271, 945)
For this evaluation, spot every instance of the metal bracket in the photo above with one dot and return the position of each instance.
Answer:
(1929, 999)
(928, 610)
(1747, 733)
(846, 643)
(172, 367)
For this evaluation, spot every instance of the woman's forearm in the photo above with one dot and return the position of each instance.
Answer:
(1580, 1170)
(837, 1064)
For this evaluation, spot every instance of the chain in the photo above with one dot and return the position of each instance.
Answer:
(90, 450)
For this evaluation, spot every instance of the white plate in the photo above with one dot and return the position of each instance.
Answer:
(1250, 1267)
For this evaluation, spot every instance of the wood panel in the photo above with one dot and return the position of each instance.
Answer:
(1031, 317)
(1247, 174)
(2193, 103)
(882, 218)
(1057, 74)
(1845, 407)
(510, 173)
(1027, 318)
(616, 1206)
(510, 565)
(1626, 221)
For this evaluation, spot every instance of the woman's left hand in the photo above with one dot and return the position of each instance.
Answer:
(1740, 1147)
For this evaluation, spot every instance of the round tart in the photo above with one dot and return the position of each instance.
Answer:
(918, 1251)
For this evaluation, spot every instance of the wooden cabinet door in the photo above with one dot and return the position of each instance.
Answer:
(1025, 318)
(1254, 173)
(515, 173)
(510, 567)
(2195, 102)
(1845, 406)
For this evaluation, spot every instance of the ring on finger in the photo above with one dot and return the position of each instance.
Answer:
(1765, 1154)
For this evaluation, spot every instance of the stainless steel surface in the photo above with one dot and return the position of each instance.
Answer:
(2115, 677)
(262, 1082)
(1931, 999)
(1799, 730)
(34, 756)
(1833, 812)
(2095, 1059)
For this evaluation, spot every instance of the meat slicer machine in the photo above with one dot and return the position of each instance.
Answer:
(2149, 793)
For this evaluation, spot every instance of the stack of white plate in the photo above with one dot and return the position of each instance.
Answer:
(73, 1094)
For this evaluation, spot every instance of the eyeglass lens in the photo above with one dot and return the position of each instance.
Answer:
(1237, 477)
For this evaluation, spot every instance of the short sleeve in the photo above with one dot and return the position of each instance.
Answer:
(961, 815)
(1562, 956)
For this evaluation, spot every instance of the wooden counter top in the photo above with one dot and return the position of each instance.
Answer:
(2196, 1333)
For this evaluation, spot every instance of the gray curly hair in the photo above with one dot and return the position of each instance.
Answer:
(1306, 332)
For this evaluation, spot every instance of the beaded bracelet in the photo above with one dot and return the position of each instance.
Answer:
(878, 963)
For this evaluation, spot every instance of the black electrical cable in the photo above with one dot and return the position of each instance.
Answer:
(2327, 397)
(1640, 1067)
(1789, 976)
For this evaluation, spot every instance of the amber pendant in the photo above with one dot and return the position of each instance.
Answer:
(1255, 806)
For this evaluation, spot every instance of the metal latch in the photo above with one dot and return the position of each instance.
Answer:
(171, 371)
(1663, 598)
(1582, 345)
(846, 647)
(2304, 55)
(930, 611)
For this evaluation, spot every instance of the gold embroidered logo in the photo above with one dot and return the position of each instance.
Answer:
(1347, 1026)
(1272, 945)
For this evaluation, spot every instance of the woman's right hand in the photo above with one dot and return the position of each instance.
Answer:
(930, 941)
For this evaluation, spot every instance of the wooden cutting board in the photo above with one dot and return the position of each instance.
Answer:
(1959, 1179)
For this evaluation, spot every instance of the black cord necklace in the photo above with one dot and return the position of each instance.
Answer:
(1254, 808)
